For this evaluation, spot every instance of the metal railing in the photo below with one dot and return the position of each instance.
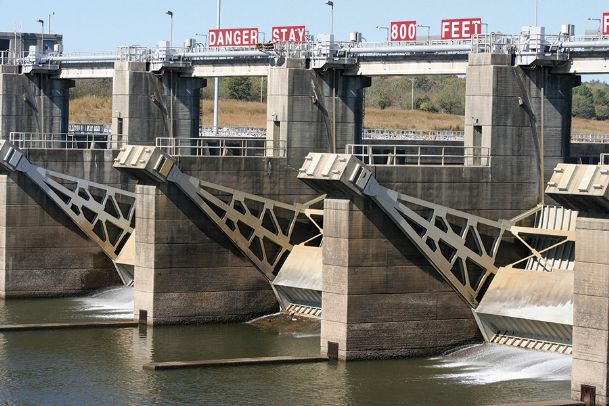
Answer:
(590, 138)
(226, 147)
(100, 141)
(420, 155)
(246, 132)
(414, 135)
(89, 128)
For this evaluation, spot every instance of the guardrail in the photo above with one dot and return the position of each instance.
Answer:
(219, 146)
(414, 135)
(25, 140)
(590, 138)
(420, 155)
(233, 132)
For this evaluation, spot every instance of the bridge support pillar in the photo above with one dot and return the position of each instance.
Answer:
(381, 298)
(186, 269)
(42, 252)
(35, 102)
(304, 105)
(591, 309)
(503, 112)
(146, 105)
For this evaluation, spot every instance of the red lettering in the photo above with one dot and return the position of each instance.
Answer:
(460, 28)
(233, 37)
(292, 33)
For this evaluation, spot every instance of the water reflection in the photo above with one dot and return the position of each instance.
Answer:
(105, 366)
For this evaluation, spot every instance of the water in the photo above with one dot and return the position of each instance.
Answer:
(105, 366)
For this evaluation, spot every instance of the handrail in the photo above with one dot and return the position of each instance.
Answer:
(419, 135)
(420, 155)
(222, 146)
(90, 141)
(590, 138)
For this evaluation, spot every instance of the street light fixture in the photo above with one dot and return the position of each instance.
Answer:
(41, 21)
(331, 4)
(170, 14)
(380, 27)
(425, 26)
(599, 23)
(216, 81)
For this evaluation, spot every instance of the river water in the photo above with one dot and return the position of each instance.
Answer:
(104, 366)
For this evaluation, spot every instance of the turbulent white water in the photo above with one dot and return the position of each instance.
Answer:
(488, 363)
(115, 303)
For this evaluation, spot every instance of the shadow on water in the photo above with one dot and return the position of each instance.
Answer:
(105, 366)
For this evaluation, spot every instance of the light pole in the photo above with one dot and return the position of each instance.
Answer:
(170, 14)
(380, 27)
(425, 26)
(412, 80)
(215, 128)
(599, 23)
(536, 13)
(331, 4)
(52, 13)
(41, 21)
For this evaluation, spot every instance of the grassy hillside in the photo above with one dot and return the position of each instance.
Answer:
(235, 113)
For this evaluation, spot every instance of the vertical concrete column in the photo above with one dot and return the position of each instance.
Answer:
(147, 105)
(35, 102)
(591, 308)
(42, 253)
(186, 270)
(380, 297)
(300, 108)
(503, 115)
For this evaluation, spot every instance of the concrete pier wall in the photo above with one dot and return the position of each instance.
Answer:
(43, 253)
(146, 105)
(591, 308)
(36, 102)
(381, 297)
(300, 109)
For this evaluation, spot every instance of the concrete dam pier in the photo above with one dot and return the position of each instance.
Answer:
(397, 253)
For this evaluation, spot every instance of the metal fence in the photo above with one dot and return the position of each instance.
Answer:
(101, 141)
(233, 132)
(415, 135)
(218, 146)
(590, 138)
(420, 155)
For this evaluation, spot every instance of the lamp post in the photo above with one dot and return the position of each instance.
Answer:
(425, 26)
(412, 80)
(380, 27)
(41, 21)
(331, 4)
(536, 13)
(170, 14)
(599, 23)
(52, 13)
(215, 127)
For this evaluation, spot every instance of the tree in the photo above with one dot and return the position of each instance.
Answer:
(583, 102)
(451, 97)
(239, 88)
(384, 101)
(602, 112)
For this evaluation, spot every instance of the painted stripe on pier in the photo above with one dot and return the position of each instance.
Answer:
(64, 326)
(233, 362)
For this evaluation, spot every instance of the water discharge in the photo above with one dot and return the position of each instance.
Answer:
(489, 363)
(112, 303)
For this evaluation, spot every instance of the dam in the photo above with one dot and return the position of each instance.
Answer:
(398, 249)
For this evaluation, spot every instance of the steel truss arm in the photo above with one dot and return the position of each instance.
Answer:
(264, 230)
(451, 240)
(105, 214)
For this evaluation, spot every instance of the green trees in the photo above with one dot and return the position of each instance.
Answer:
(239, 88)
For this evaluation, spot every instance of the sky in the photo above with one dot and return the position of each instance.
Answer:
(107, 24)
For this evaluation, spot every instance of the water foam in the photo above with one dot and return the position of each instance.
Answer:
(488, 363)
(114, 303)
